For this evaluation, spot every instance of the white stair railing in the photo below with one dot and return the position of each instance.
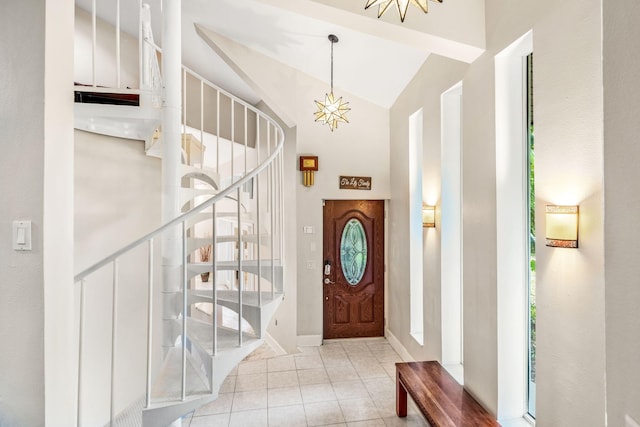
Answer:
(121, 325)
(109, 38)
(270, 277)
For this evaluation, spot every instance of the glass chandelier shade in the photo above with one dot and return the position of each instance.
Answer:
(332, 110)
(402, 6)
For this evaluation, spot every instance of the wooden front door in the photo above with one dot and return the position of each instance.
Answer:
(353, 274)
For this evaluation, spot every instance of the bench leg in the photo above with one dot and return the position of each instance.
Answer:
(401, 398)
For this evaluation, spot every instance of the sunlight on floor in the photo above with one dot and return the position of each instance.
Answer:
(341, 383)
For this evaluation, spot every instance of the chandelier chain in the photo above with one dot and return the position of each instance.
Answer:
(332, 43)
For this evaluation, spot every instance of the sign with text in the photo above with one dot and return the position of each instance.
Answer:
(355, 183)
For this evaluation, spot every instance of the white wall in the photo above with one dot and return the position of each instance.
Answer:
(117, 200)
(622, 202)
(117, 195)
(436, 76)
(22, 137)
(569, 161)
(359, 148)
(37, 293)
(568, 121)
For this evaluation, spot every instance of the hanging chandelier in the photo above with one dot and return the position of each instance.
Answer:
(332, 110)
(402, 6)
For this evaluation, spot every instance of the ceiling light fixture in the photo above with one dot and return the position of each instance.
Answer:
(402, 6)
(332, 110)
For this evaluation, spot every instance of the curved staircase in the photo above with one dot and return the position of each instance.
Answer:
(186, 342)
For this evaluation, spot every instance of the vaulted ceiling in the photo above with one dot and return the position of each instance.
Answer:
(375, 58)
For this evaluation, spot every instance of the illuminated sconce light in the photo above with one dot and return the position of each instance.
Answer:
(308, 165)
(561, 226)
(428, 216)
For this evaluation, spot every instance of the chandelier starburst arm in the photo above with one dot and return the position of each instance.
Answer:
(401, 5)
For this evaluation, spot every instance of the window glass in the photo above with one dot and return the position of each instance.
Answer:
(353, 251)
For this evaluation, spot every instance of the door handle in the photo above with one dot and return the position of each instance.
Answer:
(328, 281)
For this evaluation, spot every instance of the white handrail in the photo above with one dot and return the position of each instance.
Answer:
(267, 206)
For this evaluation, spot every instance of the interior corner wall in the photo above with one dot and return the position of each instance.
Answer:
(22, 135)
(358, 148)
(622, 202)
(568, 127)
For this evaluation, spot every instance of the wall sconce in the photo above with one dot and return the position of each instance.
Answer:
(428, 216)
(562, 226)
(308, 165)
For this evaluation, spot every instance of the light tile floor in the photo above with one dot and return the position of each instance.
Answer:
(341, 383)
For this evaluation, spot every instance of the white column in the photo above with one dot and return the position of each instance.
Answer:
(171, 136)
(60, 368)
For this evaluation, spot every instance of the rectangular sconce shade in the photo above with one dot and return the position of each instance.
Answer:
(561, 226)
(428, 216)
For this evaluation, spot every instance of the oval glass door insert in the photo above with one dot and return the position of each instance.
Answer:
(353, 251)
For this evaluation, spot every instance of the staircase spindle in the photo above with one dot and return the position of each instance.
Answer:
(118, 54)
(114, 328)
(259, 240)
(258, 216)
(149, 324)
(184, 109)
(141, 48)
(80, 350)
(218, 132)
(184, 310)
(233, 140)
(240, 275)
(201, 123)
(214, 282)
(246, 141)
(279, 216)
(93, 43)
(272, 214)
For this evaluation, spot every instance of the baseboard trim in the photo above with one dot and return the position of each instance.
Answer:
(275, 345)
(309, 340)
(399, 348)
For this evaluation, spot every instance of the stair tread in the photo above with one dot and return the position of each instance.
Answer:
(201, 331)
(249, 298)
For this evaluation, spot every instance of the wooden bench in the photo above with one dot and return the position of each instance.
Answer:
(440, 398)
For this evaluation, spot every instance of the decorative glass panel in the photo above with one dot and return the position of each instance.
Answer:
(353, 251)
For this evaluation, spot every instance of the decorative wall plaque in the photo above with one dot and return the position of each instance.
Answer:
(355, 182)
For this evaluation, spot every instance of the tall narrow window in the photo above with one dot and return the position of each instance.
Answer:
(415, 226)
(513, 228)
(451, 231)
(531, 283)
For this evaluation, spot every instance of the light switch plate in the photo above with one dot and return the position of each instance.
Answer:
(307, 229)
(22, 235)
